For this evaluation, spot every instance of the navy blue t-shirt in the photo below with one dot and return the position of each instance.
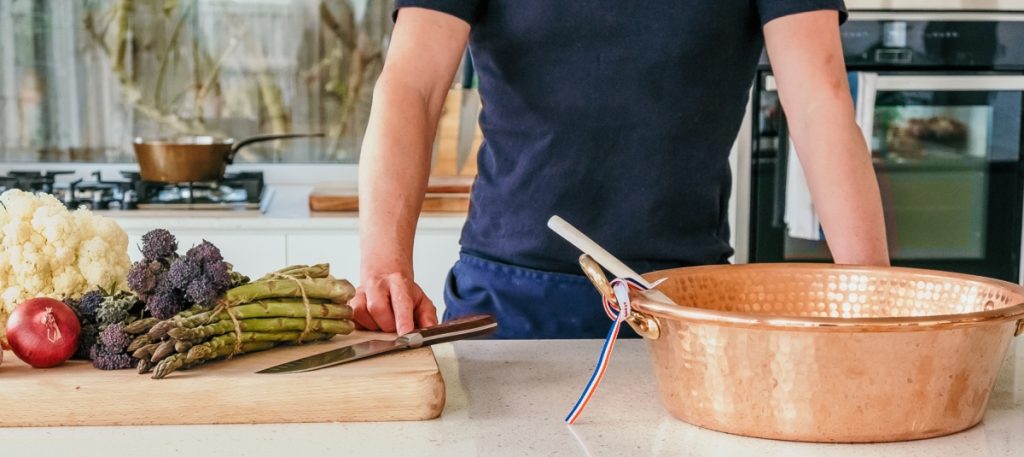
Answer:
(617, 115)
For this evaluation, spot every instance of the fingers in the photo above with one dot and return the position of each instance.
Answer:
(392, 304)
(426, 312)
(378, 303)
(403, 306)
(359, 313)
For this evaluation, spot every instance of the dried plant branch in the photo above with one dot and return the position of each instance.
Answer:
(343, 29)
(166, 55)
(96, 36)
(212, 78)
(125, 10)
(130, 91)
(197, 100)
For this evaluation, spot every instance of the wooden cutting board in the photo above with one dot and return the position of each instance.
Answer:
(401, 386)
(444, 195)
(341, 200)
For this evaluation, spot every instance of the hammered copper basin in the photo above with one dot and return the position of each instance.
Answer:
(826, 353)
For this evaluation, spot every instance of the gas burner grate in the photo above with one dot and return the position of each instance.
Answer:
(237, 191)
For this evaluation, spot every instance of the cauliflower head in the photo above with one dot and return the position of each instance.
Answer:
(48, 251)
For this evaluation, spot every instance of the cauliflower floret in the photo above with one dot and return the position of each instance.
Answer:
(46, 250)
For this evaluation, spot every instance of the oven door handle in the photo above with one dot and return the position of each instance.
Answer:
(948, 83)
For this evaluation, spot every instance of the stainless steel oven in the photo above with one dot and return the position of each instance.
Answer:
(940, 100)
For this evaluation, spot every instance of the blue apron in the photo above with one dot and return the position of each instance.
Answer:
(528, 304)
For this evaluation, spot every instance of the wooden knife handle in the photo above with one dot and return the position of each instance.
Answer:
(457, 329)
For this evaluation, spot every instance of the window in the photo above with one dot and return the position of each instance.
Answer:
(80, 79)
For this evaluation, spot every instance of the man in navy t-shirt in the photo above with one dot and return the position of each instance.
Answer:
(617, 115)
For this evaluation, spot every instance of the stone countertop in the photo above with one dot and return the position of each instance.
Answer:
(508, 398)
(287, 209)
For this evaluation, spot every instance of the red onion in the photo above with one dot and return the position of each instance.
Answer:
(43, 332)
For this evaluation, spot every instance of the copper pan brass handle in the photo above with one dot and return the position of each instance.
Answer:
(596, 275)
(644, 325)
(1016, 312)
(260, 138)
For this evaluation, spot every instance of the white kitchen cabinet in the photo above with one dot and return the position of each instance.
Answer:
(251, 254)
(434, 253)
(340, 249)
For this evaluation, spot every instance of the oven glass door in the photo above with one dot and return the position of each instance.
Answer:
(947, 153)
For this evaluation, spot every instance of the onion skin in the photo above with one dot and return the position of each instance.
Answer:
(43, 332)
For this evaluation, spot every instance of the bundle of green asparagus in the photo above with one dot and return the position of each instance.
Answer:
(294, 305)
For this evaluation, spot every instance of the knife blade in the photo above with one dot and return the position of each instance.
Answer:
(466, 327)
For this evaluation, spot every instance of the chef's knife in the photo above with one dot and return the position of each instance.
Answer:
(466, 327)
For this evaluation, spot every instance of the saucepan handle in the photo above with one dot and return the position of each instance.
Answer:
(260, 138)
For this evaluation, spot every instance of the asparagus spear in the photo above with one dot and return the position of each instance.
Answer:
(266, 308)
(159, 330)
(280, 307)
(195, 309)
(219, 344)
(166, 366)
(146, 351)
(140, 326)
(177, 361)
(163, 350)
(337, 290)
(138, 342)
(320, 270)
(277, 324)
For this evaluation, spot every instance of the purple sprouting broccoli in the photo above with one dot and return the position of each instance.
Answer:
(159, 245)
(105, 359)
(205, 253)
(215, 281)
(87, 337)
(85, 309)
(144, 276)
(202, 293)
(219, 274)
(183, 271)
(114, 338)
(87, 305)
(201, 275)
(166, 301)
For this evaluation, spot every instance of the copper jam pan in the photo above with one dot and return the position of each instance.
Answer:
(826, 353)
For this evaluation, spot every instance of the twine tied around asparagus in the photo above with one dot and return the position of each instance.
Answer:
(226, 307)
(305, 301)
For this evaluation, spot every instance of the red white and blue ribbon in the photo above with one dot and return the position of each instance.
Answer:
(618, 315)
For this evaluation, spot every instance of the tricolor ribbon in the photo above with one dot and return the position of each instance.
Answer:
(618, 315)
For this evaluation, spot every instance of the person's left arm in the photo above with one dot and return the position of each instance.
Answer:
(807, 61)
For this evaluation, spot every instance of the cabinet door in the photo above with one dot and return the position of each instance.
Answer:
(434, 254)
(251, 255)
(340, 249)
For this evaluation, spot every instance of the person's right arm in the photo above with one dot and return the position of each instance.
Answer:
(394, 165)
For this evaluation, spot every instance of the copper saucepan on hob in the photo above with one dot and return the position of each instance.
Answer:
(826, 353)
(194, 158)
